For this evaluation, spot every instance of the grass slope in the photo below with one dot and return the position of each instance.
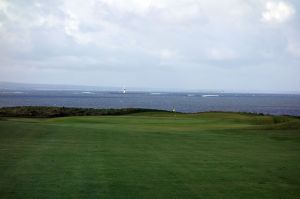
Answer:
(151, 155)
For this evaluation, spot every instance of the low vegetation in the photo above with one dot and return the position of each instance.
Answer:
(149, 155)
(44, 111)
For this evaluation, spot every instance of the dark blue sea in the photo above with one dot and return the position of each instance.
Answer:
(275, 104)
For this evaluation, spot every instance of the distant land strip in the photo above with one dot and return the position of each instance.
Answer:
(280, 122)
(49, 112)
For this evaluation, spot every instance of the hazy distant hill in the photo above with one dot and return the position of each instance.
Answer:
(29, 86)
(25, 86)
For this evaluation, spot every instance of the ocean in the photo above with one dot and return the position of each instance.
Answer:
(274, 104)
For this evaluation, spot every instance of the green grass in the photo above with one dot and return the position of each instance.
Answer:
(151, 155)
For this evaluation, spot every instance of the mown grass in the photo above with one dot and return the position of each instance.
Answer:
(151, 155)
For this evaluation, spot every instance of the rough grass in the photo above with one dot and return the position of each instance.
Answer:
(50, 112)
(151, 155)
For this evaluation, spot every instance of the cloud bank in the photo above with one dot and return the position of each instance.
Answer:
(184, 44)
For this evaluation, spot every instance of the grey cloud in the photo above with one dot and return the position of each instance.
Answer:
(163, 40)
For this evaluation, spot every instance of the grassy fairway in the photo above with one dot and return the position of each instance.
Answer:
(151, 155)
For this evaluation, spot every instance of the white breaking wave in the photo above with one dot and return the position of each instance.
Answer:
(87, 92)
(155, 93)
(210, 95)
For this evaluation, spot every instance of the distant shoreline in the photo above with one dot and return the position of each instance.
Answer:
(52, 111)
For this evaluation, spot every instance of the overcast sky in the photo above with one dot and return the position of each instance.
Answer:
(182, 44)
